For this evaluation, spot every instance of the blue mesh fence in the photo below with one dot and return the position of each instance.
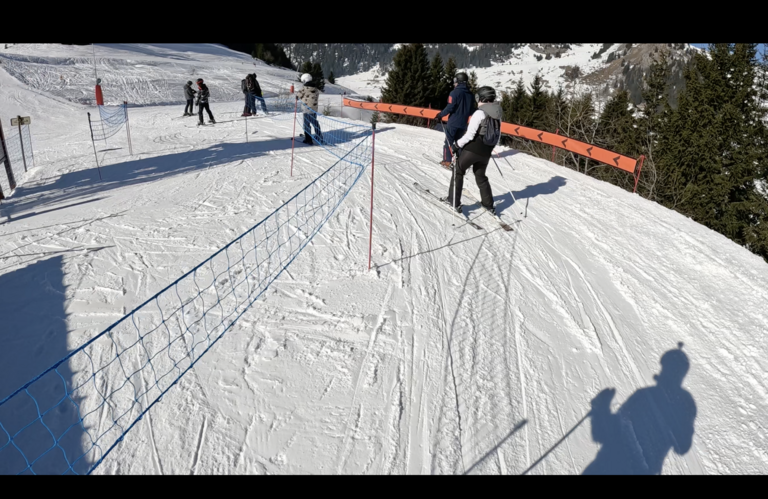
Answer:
(112, 120)
(54, 425)
(13, 143)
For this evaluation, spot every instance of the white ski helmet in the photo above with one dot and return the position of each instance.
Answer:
(306, 78)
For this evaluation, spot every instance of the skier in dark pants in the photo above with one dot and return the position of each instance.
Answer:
(254, 93)
(244, 88)
(475, 147)
(309, 96)
(189, 94)
(202, 101)
(461, 104)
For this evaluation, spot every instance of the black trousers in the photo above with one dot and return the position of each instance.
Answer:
(478, 164)
(189, 107)
(204, 105)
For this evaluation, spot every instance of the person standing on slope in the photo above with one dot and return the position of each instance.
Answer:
(309, 96)
(247, 107)
(475, 147)
(202, 102)
(460, 106)
(189, 94)
(254, 92)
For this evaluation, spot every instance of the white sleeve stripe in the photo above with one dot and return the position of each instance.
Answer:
(474, 126)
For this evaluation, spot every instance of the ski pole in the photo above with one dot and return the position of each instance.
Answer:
(558, 443)
(454, 166)
(505, 180)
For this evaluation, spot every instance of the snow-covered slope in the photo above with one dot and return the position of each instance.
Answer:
(461, 351)
(142, 74)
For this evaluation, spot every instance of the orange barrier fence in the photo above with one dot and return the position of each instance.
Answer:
(582, 148)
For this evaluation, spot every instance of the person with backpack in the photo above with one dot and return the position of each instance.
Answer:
(309, 96)
(474, 149)
(189, 94)
(460, 106)
(202, 102)
(254, 91)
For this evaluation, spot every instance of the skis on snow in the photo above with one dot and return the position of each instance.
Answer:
(496, 216)
(434, 198)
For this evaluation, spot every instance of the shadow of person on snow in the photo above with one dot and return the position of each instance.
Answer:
(638, 436)
(505, 200)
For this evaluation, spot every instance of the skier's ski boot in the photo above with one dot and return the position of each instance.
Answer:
(491, 210)
(459, 209)
(212, 122)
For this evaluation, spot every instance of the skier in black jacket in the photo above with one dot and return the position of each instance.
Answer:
(189, 94)
(475, 152)
(202, 101)
(254, 93)
(461, 104)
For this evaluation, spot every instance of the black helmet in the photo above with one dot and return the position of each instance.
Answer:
(199, 80)
(460, 77)
(189, 83)
(485, 94)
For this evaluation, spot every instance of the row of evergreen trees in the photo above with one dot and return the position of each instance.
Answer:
(706, 155)
(414, 81)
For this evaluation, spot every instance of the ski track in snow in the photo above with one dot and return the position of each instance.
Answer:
(460, 351)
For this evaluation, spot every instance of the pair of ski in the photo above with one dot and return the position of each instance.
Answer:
(433, 197)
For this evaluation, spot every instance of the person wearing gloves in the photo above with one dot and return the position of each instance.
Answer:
(309, 96)
(460, 106)
(474, 149)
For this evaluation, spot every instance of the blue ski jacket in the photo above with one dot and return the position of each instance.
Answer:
(461, 105)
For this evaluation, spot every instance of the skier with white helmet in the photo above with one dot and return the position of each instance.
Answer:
(309, 96)
(475, 147)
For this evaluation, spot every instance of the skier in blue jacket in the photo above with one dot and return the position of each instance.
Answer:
(461, 105)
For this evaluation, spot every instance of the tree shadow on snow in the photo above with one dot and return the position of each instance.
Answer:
(34, 337)
(654, 420)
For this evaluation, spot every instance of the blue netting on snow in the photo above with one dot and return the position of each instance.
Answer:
(112, 120)
(13, 144)
(55, 425)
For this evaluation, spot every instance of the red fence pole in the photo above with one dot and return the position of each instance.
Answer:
(293, 140)
(370, 235)
(637, 177)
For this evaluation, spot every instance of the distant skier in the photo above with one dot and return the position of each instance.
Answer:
(475, 147)
(460, 106)
(189, 94)
(309, 96)
(247, 107)
(202, 101)
(254, 93)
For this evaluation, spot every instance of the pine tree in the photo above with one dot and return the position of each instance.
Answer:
(450, 74)
(537, 108)
(317, 76)
(473, 85)
(616, 131)
(716, 149)
(408, 81)
(439, 88)
(331, 79)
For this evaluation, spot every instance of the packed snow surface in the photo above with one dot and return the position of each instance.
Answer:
(460, 351)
